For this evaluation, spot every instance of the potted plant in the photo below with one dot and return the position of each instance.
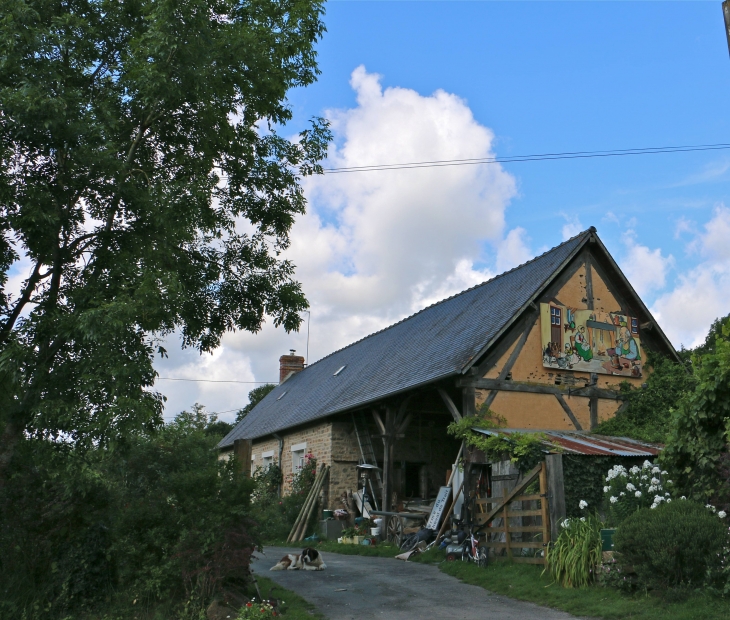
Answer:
(347, 535)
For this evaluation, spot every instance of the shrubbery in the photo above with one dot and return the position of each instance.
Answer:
(275, 515)
(158, 518)
(675, 544)
(573, 557)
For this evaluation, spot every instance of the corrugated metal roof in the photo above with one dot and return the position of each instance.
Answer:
(437, 342)
(576, 442)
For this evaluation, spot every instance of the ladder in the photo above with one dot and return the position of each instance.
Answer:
(367, 455)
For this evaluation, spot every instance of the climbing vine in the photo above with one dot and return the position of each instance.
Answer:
(525, 450)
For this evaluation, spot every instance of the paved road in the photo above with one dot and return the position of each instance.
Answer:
(363, 588)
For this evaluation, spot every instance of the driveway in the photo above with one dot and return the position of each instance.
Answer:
(361, 588)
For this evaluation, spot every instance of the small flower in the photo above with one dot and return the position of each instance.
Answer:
(566, 523)
(683, 497)
(669, 482)
(613, 499)
(583, 519)
(656, 470)
(634, 470)
(711, 508)
(651, 489)
(637, 494)
(669, 499)
(722, 514)
(655, 480)
(647, 465)
(664, 473)
(645, 477)
(582, 504)
(606, 489)
(621, 494)
(630, 487)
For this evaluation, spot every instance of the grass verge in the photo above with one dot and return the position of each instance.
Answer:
(526, 582)
(293, 606)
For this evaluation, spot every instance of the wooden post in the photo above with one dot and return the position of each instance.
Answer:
(556, 492)
(388, 450)
(544, 505)
(505, 518)
(242, 449)
(593, 404)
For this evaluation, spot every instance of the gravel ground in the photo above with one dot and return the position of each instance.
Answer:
(360, 588)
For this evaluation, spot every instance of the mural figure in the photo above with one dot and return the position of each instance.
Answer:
(590, 341)
(582, 346)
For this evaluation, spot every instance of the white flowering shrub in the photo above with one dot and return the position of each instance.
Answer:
(629, 490)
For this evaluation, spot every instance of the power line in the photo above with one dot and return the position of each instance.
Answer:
(211, 380)
(653, 150)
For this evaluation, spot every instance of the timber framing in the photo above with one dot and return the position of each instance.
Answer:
(539, 388)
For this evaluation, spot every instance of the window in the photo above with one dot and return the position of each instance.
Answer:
(267, 459)
(555, 316)
(297, 456)
(634, 326)
(253, 464)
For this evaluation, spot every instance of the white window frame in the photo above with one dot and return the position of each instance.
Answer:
(267, 459)
(298, 450)
(253, 464)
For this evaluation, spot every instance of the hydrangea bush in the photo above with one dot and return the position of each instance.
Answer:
(629, 490)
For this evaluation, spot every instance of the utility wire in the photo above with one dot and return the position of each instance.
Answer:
(539, 157)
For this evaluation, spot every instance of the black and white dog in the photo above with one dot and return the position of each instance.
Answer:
(308, 559)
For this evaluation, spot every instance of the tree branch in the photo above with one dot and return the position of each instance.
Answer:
(30, 285)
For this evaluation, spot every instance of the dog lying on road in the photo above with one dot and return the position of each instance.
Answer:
(308, 559)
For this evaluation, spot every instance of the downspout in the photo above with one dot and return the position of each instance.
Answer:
(281, 465)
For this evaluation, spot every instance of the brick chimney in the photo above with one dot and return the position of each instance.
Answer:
(289, 364)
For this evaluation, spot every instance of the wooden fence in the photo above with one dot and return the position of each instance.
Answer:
(535, 510)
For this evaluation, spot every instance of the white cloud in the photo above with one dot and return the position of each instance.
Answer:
(376, 246)
(646, 269)
(703, 293)
(513, 250)
(571, 227)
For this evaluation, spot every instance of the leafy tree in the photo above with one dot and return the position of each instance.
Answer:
(135, 138)
(700, 428)
(255, 396)
(647, 410)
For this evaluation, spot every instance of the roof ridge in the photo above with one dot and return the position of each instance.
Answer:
(589, 230)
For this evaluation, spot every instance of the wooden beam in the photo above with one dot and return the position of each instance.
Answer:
(569, 412)
(556, 492)
(538, 388)
(403, 425)
(518, 349)
(589, 282)
(449, 404)
(468, 400)
(379, 421)
(594, 411)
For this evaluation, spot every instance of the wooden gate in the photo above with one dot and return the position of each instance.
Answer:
(536, 509)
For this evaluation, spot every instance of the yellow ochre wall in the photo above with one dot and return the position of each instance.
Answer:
(526, 410)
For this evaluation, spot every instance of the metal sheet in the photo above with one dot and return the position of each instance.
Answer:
(574, 442)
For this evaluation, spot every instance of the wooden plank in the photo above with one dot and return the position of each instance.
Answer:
(482, 518)
(538, 388)
(556, 492)
(521, 528)
(519, 498)
(589, 282)
(594, 411)
(242, 449)
(449, 404)
(505, 519)
(569, 412)
(543, 505)
(527, 480)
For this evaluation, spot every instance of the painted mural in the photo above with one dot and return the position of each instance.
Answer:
(590, 341)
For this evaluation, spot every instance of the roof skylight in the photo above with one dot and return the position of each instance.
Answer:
(339, 370)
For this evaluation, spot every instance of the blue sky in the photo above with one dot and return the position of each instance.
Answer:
(450, 79)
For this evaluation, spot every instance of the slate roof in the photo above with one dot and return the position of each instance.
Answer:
(437, 342)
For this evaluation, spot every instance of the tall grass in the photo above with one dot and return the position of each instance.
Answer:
(573, 557)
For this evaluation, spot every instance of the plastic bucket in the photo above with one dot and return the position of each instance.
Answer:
(328, 514)
(375, 531)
